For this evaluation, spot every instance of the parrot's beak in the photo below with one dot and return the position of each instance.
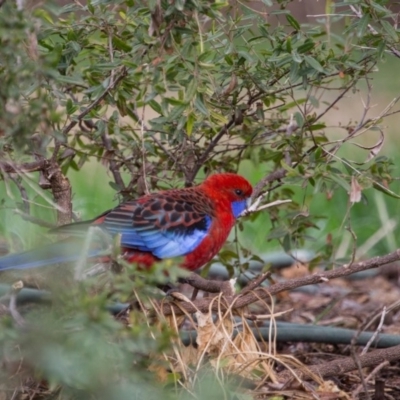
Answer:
(246, 210)
(248, 203)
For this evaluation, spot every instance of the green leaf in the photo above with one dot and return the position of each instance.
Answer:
(179, 4)
(296, 57)
(292, 21)
(299, 119)
(292, 104)
(191, 90)
(191, 119)
(43, 14)
(294, 72)
(388, 28)
(313, 63)
(206, 56)
(380, 49)
(72, 164)
(329, 7)
(306, 46)
(277, 233)
(70, 107)
(73, 80)
(340, 181)
(176, 112)
(385, 190)
(317, 127)
(199, 104)
(280, 12)
(286, 243)
(246, 56)
(121, 44)
(227, 255)
(291, 171)
(115, 186)
(320, 139)
(289, 44)
(384, 12)
(155, 106)
(221, 119)
(363, 25)
(314, 101)
(175, 102)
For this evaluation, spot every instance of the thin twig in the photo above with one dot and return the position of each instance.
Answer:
(256, 282)
(372, 374)
(359, 368)
(376, 333)
(34, 220)
(15, 289)
(23, 193)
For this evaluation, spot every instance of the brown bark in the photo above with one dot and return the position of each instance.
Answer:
(242, 300)
(61, 189)
(341, 366)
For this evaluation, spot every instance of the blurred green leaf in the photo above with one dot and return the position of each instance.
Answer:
(312, 62)
(292, 21)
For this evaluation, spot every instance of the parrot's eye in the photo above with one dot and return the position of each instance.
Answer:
(239, 192)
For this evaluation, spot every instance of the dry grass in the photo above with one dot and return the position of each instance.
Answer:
(227, 347)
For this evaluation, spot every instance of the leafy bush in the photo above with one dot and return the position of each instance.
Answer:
(161, 94)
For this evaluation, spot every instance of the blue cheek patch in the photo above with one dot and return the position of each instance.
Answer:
(238, 207)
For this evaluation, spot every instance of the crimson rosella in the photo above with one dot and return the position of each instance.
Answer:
(192, 222)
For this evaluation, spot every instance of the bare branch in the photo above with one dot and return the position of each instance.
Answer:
(23, 193)
(61, 189)
(273, 176)
(210, 286)
(343, 365)
(241, 300)
(10, 167)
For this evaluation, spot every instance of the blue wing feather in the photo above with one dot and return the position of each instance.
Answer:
(164, 226)
(165, 243)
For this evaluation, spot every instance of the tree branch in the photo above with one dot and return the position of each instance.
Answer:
(10, 167)
(243, 300)
(61, 189)
(273, 176)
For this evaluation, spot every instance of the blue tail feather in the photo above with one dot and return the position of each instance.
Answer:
(60, 252)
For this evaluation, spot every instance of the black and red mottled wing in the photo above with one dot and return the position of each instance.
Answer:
(168, 224)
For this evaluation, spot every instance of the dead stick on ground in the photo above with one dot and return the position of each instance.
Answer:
(370, 376)
(344, 365)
